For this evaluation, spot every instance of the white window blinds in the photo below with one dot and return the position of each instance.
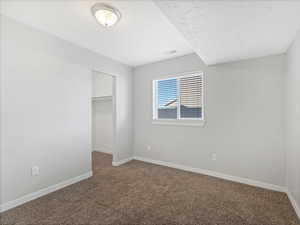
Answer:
(184, 91)
(190, 97)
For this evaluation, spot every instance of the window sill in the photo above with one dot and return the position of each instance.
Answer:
(189, 123)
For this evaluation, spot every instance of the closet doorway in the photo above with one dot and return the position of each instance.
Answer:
(103, 116)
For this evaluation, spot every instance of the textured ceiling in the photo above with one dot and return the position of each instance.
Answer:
(223, 31)
(143, 35)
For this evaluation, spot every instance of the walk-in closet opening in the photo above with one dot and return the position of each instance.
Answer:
(103, 116)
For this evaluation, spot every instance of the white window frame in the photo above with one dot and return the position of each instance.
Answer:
(179, 121)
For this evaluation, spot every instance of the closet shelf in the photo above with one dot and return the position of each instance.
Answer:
(102, 98)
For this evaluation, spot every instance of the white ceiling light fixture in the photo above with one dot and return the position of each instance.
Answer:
(105, 14)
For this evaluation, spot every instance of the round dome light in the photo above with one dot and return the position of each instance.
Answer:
(106, 15)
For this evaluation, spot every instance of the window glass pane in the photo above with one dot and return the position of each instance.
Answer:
(190, 97)
(167, 99)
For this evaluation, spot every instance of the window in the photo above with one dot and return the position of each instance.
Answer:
(178, 98)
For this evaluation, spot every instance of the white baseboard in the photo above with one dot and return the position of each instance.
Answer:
(123, 161)
(215, 174)
(29, 197)
(103, 149)
(294, 203)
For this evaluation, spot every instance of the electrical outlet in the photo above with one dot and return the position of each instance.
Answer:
(148, 147)
(214, 156)
(35, 171)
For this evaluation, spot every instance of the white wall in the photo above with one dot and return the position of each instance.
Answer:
(243, 111)
(46, 108)
(102, 126)
(292, 120)
(102, 85)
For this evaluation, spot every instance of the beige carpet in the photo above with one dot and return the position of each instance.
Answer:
(142, 193)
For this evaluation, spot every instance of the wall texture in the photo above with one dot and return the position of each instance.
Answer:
(46, 108)
(243, 113)
(102, 84)
(292, 120)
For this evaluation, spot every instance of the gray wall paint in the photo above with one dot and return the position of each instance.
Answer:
(243, 112)
(102, 132)
(292, 119)
(45, 99)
